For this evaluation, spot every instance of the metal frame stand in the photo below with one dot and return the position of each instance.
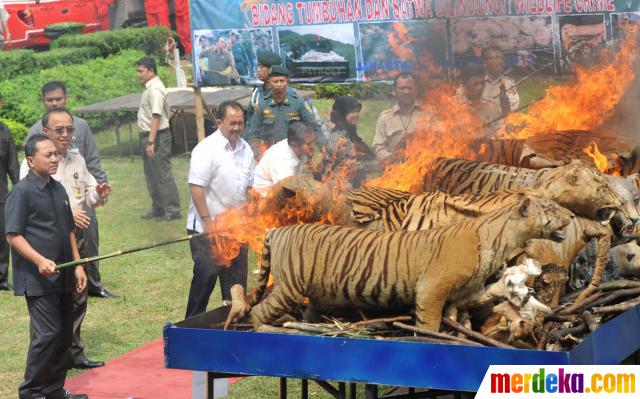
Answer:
(340, 392)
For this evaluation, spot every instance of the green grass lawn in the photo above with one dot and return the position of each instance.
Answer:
(152, 285)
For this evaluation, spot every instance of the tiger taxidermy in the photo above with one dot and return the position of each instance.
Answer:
(342, 267)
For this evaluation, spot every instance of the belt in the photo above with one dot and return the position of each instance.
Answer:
(166, 130)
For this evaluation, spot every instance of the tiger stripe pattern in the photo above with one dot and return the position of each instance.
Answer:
(343, 267)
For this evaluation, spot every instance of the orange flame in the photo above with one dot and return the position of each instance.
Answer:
(599, 160)
(399, 41)
(583, 105)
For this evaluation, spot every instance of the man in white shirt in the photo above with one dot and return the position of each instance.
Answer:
(220, 173)
(498, 87)
(84, 192)
(155, 138)
(286, 158)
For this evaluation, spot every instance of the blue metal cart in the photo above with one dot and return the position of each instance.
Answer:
(191, 345)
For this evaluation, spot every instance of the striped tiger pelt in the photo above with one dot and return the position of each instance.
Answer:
(342, 267)
(583, 190)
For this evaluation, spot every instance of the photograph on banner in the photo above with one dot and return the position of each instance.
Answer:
(625, 23)
(319, 52)
(525, 42)
(581, 36)
(229, 56)
(389, 48)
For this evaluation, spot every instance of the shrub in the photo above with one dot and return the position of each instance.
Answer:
(363, 91)
(150, 40)
(94, 81)
(17, 62)
(18, 131)
(65, 56)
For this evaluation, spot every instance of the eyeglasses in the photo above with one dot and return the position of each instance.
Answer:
(60, 130)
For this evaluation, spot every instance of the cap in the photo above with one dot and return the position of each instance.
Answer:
(279, 70)
(269, 58)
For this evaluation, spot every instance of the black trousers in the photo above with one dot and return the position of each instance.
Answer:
(80, 302)
(4, 250)
(206, 271)
(92, 245)
(50, 326)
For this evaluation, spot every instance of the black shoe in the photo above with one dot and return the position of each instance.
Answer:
(6, 287)
(88, 364)
(150, 215)
(67, 395)
(168, 218)
(103, 293)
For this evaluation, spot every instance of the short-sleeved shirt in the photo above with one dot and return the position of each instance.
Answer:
(225, 173)
(74, 176)
(392, 130)
(39, 211)
(154, 101)
(272, 120)
(219, 64)
(492, 90)
(82, 143)
(277, 163)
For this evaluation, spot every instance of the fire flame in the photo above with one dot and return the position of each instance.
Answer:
(583, 105)
(399, 41)
(446, 128)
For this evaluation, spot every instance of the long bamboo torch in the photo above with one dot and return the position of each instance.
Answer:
(128, 251)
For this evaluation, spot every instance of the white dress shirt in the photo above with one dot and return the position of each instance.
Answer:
(153, 101)
(225, 173)
(278, 162)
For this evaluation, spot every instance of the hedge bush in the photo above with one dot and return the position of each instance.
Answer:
(363, 91)
(21, 62)
(94, 81)
(18, 130)
(150, 40)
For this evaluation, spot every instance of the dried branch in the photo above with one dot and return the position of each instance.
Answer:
(473, 334)
(581, 304)
(619, 308)
(381, 320)
(588, 318)
(561, 332)
(615, 295)
(433, 334)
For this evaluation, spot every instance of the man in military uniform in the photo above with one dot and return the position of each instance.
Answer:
(217, 63)
(266, 60)
(276, 110)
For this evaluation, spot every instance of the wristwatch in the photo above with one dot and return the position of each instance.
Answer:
(149, 142)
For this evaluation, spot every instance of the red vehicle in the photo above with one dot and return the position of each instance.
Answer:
(29, 18)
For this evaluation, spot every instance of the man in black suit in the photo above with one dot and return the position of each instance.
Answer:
(8, 167)
(40, 229)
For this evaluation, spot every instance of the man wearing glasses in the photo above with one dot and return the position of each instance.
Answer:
(84, 193)
(54, 95)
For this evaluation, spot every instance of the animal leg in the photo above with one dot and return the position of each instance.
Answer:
(273, 307)
(431, 297)
(603, 244)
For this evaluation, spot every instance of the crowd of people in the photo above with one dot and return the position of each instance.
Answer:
(49, 215)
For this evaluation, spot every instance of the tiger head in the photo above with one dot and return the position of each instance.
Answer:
(626, 220)
(543, 218)
(582, 189)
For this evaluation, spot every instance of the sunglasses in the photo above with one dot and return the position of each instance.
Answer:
(60, 130)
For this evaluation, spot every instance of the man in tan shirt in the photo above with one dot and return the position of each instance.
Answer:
(84, 192)
(155, 137)
(396, 123)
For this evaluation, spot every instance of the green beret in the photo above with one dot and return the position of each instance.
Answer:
(279, 70)
(269, 58)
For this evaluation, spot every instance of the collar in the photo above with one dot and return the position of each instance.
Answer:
(226, 144)
(152, 82)
(487, 78)
(396, 108)
(37, 181)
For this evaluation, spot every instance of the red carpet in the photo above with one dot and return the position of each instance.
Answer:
(139, 374)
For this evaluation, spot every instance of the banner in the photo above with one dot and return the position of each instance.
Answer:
(372, 40)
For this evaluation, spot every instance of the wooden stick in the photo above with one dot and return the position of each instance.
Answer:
(561, 332)
(606, 286)
(579, 305)
(590, 321)
(542, 343)
(615, 295)
(475, 335)
(433, 334)
(307, 327)
(619, 308)
(428, 339)
(381, 320)
(560, 318)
